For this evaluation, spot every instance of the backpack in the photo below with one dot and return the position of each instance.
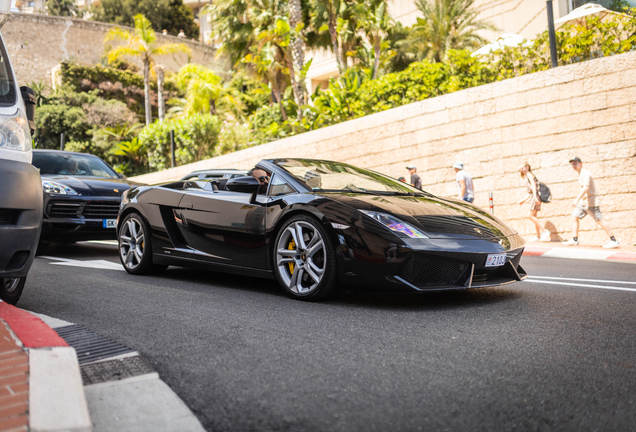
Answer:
(544, 193)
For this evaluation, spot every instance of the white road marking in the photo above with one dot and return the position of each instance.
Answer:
(583, 280)
(104, 242)
(572, 253)
(548, 282)
(95, 264)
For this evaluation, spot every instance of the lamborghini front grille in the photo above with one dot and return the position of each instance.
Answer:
(424, 271)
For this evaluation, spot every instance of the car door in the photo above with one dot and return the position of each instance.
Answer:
(224, 227)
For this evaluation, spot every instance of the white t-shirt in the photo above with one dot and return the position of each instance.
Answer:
(586, 179)
(470, 192)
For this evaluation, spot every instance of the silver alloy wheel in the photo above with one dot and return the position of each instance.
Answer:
(11, 284)
(301, 257)
(131, 243)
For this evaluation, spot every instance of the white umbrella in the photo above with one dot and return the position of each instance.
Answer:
(505, 40)
(580, 14)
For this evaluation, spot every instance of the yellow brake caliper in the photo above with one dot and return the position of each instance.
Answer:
(291, 246)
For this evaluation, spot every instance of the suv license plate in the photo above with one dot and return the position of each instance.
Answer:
(110, 223)
(496, 260)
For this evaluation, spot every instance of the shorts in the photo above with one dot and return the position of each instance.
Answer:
(534, 206)
(581, 212)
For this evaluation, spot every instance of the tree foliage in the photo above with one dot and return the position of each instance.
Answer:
(171, 15)
(196, 137)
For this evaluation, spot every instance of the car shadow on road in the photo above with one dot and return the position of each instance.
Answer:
(178, 277)
(378, 300)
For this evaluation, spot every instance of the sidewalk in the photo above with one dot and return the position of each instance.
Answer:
(40, 384)
(591, 252)
(94, 384)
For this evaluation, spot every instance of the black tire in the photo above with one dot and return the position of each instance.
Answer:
(135, 246)
(308, 272)
(11, 289)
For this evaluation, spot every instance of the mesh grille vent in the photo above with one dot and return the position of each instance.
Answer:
(422, 271)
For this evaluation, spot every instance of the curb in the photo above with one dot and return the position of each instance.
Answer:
(575, 252)
(56, 399)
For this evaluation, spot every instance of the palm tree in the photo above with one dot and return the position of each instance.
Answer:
(444, 25)
(374, 20)
(232, 26)
(325, 14)
(202, 88)
(141, 43)
(297, 44)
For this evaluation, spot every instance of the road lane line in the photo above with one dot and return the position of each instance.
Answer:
(94, 264)
(547, 282)
(582, 280)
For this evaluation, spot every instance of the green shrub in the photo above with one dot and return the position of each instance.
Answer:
(195, 136)
(111, 83)
(52, 120)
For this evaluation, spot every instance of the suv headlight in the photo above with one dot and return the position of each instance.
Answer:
(52, 187)
(15, 133)
(395, 224)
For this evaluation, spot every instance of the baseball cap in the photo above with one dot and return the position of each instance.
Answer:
(575, 159)
(411, 167)
(458, 165)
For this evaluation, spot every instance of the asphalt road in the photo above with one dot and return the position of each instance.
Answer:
(528, 356)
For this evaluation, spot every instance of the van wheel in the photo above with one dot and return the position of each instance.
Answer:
(11, 289)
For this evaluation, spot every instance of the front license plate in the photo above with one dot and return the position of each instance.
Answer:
(496, 260)
(110, 223)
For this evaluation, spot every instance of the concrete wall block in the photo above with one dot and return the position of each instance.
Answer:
(623, 131)
(530, 130)
(628, 78)
(500, 119)
(503, 88)
(476, 124)
(461, 112)
(531, 81)
(510, 102)
(574, 122)
(610, 116)
(623, 96)
(543, 111)
(588, 103)
(571, 89)
(485, 107)
(620, 166)
(558, 76)
(602, 83)
(432, 105)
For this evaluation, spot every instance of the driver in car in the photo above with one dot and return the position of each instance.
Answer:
(263, 178)
(72, 168)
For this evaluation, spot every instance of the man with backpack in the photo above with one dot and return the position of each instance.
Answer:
(587, 202)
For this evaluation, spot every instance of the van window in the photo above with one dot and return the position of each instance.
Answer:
(7, 84)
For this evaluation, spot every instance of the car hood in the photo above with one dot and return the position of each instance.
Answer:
(437, 217)
(92, 186)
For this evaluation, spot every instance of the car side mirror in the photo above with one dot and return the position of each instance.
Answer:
(247, 184)
(28, 95)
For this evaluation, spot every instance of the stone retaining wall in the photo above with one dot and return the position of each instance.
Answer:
(586, 109)
(37, 43)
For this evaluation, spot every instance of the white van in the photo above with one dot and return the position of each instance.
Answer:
(20, 184)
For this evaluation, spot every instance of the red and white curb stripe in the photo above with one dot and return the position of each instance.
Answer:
(574, 252)
(56, 394)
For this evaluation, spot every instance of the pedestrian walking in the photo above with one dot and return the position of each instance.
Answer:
(587, 203)
(415, 179)
(534, 193)
(464, 183)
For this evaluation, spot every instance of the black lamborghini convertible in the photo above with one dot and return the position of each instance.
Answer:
(315, 225)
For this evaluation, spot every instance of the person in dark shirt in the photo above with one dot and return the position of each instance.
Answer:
(415, 179)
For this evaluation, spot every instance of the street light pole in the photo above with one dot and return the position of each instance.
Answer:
(551, 32)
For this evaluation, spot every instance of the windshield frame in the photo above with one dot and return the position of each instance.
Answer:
(402, 188)
(70, 155)
(11, 98)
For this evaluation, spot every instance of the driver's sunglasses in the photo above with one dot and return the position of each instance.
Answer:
(262, 179)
